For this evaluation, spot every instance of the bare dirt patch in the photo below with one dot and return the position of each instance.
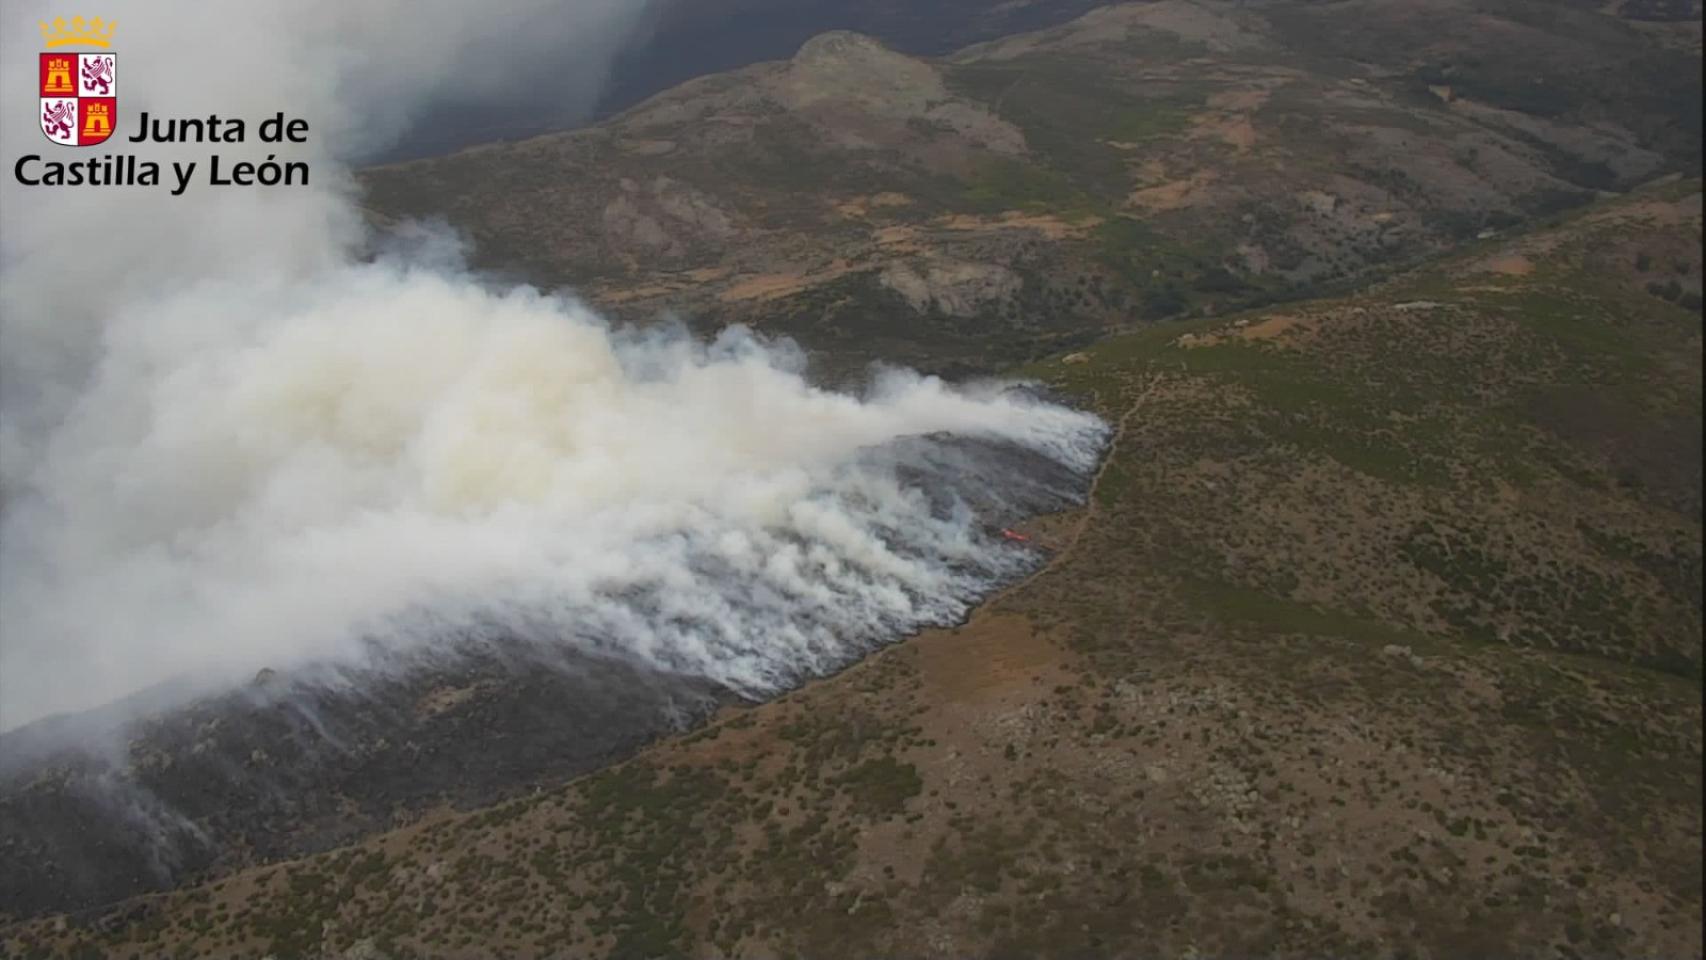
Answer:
(440, 699)
(857, 208)
(1174, 194)
(1235, 130)
(1271, 328)
(770, 286)
(980, 663)
(898, 238)
(1517, 266)
(1051, 227)
(1239, 101)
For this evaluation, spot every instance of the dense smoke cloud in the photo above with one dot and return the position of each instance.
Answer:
(358, 72)
(227, 444)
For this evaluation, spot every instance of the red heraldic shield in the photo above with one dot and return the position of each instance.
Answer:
(79, 97)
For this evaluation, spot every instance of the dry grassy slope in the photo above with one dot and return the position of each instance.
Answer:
(1020, 197)
(1381, 636)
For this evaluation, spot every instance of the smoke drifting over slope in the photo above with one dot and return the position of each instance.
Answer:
(242, 448)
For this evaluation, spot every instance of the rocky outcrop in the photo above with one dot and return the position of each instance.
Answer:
(665, 217)
(843, 71)
(956, 288)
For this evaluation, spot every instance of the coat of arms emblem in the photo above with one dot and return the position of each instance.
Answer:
(79, 91)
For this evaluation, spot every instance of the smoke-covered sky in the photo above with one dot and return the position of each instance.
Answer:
(227, 442)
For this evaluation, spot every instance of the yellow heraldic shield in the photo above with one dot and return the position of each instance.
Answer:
(78, 90)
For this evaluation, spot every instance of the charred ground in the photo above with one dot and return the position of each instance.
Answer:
(148, 795)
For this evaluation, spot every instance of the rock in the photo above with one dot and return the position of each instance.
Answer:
(841, 70)
(646, 148)
(841, 65)
(1403, 652)
(692, 207)
(364, 949)
(627, 226)
(1321, 202)
(957, 288)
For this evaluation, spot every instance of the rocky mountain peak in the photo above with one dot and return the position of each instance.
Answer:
(837, 45)
(850, 66)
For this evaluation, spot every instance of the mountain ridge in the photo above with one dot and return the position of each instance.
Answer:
(1029, 194)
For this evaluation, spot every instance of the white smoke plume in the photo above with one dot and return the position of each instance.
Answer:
(227, 444)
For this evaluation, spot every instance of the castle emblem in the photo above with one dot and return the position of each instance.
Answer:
(79, 91)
